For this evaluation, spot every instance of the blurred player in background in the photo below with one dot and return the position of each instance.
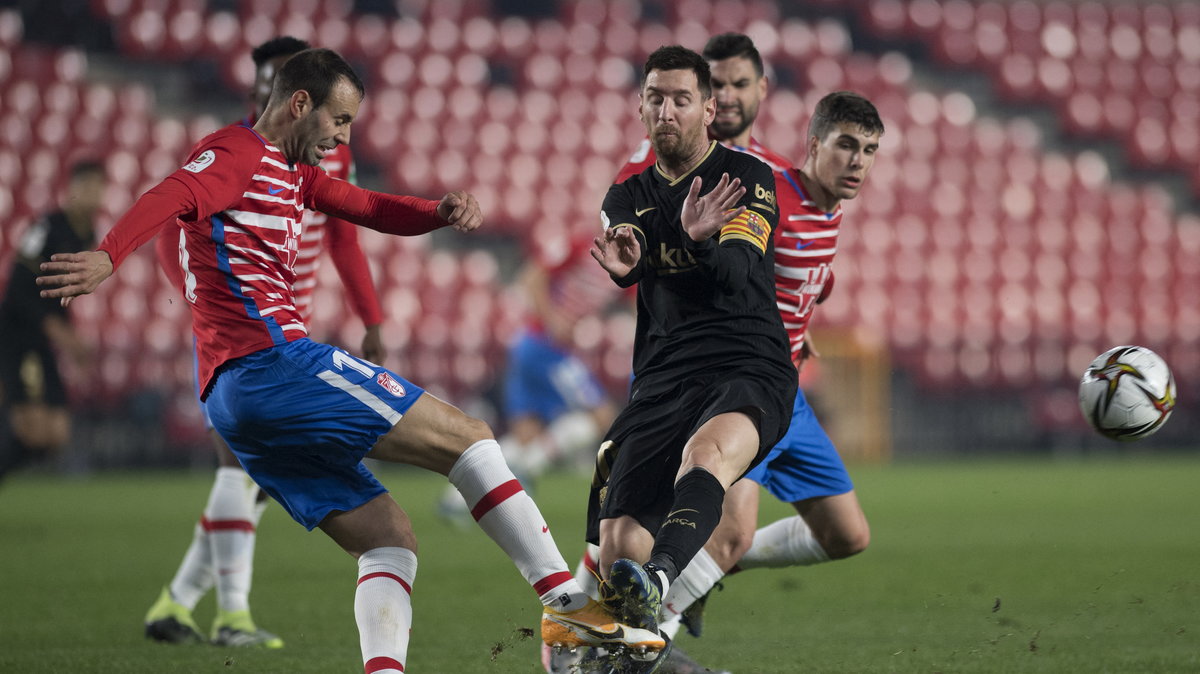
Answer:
(34, 330)
(713, 381)
(554, 404)
(300, 415)
(222, 548)
(555, 407)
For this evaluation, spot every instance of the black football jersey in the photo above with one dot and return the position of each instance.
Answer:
(709, 305)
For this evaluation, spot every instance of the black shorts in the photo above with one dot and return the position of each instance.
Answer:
(29, 373)
(637, 464)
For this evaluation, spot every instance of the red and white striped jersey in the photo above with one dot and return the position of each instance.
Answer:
(318, 232)
(340, 239)
(238, 249)
(805, 240)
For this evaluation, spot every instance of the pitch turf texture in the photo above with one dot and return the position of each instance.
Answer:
(1086, 565)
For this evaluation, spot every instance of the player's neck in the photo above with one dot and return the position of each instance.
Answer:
(823, 199)
(272, 129)
(740, 140)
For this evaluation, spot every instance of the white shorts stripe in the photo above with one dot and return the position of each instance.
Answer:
(361, 394)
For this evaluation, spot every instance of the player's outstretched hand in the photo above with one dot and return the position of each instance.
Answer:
(460, 210)
(69, 275)
(617, 250)
(704, 216)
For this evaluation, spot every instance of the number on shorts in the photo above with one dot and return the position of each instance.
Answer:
(343, 360)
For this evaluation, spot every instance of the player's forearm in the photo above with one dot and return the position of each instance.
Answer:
(729, 265)
(353, 269)
(161, 204)
(387, 213)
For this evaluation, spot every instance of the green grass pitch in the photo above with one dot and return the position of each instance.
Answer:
(1085, 565)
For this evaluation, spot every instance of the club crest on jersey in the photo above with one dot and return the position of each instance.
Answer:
(202, 162)
(391, 385)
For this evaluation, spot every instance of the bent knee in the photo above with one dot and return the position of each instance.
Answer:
(847, 543)
(727, 547)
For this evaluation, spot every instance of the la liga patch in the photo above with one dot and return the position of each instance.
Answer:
(202, 162)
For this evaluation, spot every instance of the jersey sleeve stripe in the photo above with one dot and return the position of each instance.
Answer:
(630, 224)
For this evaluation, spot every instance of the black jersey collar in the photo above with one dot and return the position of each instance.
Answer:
(672, 182)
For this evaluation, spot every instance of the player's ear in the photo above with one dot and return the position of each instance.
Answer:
(300, 103)
(710, 109)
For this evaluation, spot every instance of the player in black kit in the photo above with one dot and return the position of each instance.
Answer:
(33, 330)
(713, 381)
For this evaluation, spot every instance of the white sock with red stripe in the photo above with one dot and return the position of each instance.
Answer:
(383, 608)
(229, 519)
(588, 570)
(195, 574)
(510, 518)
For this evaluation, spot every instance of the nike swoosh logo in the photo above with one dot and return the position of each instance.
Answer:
(274, 190)
(644, 210)
(800, 245)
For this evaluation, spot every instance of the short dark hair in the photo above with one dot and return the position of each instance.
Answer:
(844, 107)
(284, 45)
(87, 167)
(315, 71)
(729, 45)
(675, 57)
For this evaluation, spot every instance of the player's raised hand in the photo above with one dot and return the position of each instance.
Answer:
(704, 216)
(617, 250)
(460, 210)
(69, 275)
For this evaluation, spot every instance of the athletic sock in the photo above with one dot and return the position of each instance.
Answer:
(510, 518)
(383, 608)
(229, 520)
(694, 515)
(696, 579)
(587, 572)
(195, 576)
(785, 542)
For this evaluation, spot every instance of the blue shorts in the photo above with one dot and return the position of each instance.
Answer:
(804, 464)
(545, 381)
(301, 416)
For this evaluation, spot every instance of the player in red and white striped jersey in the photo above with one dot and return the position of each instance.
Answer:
(299, 415)
(221, 553)
(804, 469)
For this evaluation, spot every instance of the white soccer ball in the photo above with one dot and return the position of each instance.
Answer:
(1127, 393)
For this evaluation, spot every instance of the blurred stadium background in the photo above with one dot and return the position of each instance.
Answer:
(1035, 201)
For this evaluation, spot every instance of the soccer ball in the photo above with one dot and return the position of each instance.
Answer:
(1127, 393)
